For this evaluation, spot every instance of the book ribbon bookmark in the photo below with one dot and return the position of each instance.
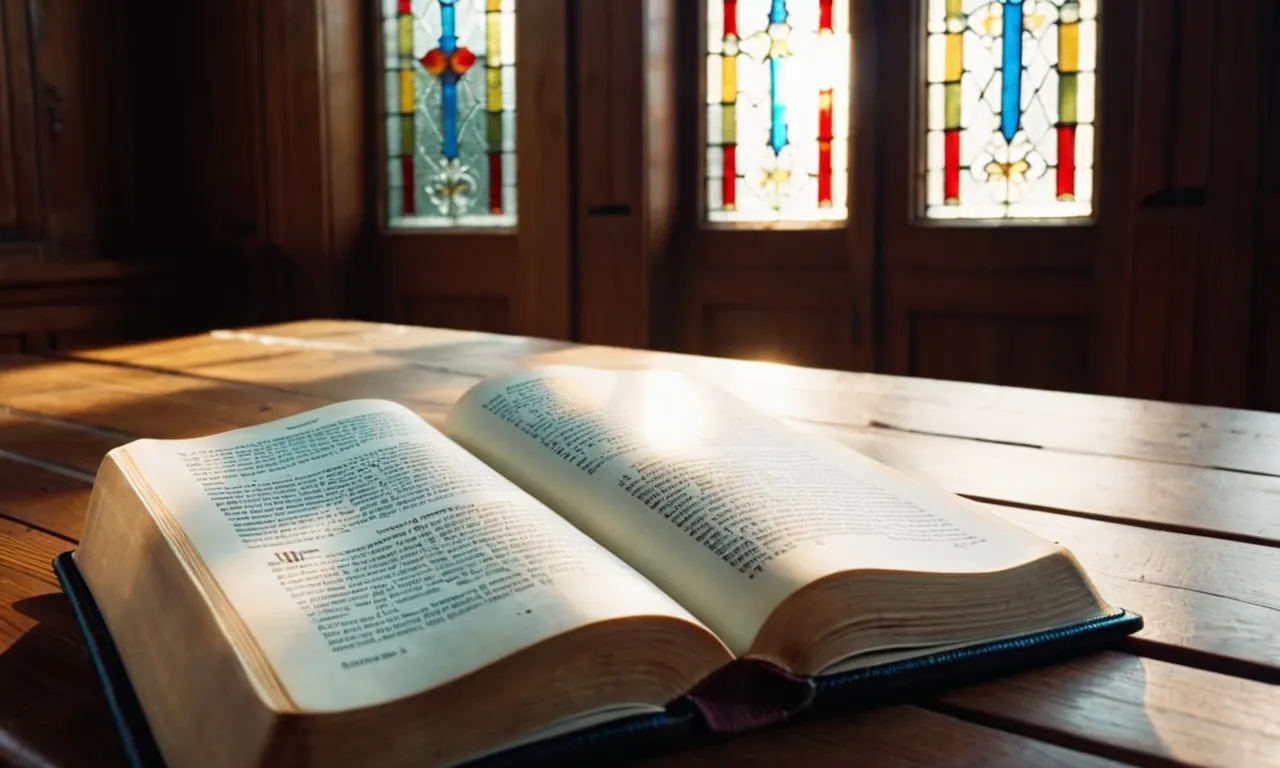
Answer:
(749, 694)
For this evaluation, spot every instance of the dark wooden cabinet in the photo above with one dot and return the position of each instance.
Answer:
(21, 200)
(72, 269)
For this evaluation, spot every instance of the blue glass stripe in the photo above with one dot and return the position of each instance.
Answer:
(778, 12)
(778, 126)
(449, 104)
(778, 110)
(1011, 74)
(448, 31)
(448, 83)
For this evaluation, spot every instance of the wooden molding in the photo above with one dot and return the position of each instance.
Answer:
(313, 72)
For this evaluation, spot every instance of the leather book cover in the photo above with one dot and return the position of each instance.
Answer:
(746, 696)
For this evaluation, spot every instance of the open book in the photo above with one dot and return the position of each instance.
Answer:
(577, 547)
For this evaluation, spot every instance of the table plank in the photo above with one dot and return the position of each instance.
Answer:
(128, 401)
(490, 352)
(1209, 603)
(1156, 431)
(1209, 502)
(52, 711)
(1195, 614)
(893, 736)
(1206, 602)
(1175, 497)
(67, 443)
(1170, 432)
(54, 502)
(1088, 704)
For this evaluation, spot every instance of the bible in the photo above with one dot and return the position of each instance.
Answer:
(575, 561)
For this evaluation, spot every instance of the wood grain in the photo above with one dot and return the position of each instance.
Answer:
(135, 402)
(1155, 431)
(1088, 704)
(436, 367)
(897, 736)
(1206, 502)
(1206, 612)
(1194, 687)
(52, 502)
(1209, 603)
(72, 447)
(1247, 441)
(60, 716)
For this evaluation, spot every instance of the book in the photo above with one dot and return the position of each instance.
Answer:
(578, 559)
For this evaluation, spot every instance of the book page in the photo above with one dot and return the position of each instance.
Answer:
(727, 509)
(372, 558)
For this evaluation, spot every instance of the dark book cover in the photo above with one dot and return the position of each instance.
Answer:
(746, 696)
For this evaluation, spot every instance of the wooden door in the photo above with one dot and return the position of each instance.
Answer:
(1088, 228)
(1007, 215)
(771, 250)
(473, 170)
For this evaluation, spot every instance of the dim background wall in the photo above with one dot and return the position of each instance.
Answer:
(219, 164)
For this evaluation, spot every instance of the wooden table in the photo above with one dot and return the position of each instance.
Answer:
(1175, 511)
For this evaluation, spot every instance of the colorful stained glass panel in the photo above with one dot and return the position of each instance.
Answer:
(1020, 146)
(777, 122)
(450, 112)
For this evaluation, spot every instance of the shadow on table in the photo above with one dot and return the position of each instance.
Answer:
(52, 709)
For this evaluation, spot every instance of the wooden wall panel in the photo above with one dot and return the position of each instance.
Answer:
(90, 176)
(24, 208)
(1001, 328)
(1265, 349)
(1022, 352)
(9, 188)
(491, 314)
(794, 336)
(1171, 244)
(813, 310)
(84, 128)
(89, 303)
(1220, 375)
(1266, 373)
(1011, 298)
(272, 189)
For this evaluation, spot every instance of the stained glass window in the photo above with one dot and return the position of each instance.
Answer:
(1010, 108)
(451, 98)
(777, 127)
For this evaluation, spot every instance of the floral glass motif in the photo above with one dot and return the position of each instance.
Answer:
(450, 101)
(1010, 147)
(777, 125)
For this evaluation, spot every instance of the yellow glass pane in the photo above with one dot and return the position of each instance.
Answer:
(493, 89)
(406, 90)
(493, 38)
(955, 58)
(729, 79)
(1069, 48)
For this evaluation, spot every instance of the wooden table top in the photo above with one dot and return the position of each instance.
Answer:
(1174, 510)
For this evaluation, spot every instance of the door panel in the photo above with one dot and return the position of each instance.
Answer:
(451, 249)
